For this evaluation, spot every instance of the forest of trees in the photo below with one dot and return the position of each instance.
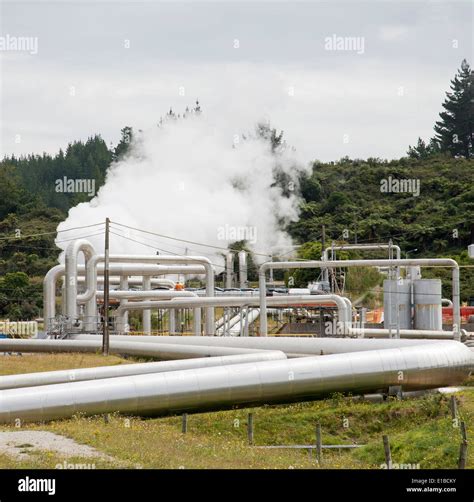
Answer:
(344, 196)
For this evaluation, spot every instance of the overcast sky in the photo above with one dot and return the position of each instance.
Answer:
(101, 66)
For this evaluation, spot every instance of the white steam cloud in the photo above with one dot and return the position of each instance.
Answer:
(193, 180)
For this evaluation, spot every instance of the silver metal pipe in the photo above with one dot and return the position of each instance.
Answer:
(132, 281)
(342, 304)
(163, 294)
(129, 347)
(126, 306)
(404, 333)
(243, 269)
(362, 247)
(146, 314)
(243, 322)
(58, 271)
(172, 321)
(91, 274)
(422, 262)
(197, 321)
(292, 346)
(425, 366)
(229, 269)
(342, 327)
(124, 285)
(83, 374)
(241, 301)
(49, 294)
(71, 261)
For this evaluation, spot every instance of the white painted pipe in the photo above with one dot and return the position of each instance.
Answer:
(243, 269)
(122, 370)
(360, 247)
(229, 269)
(58, 271)
(91, 273)
(146, 314)
(124, 285)
(71, 260)
(425, 366)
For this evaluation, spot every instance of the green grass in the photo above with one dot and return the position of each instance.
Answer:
(420, 430)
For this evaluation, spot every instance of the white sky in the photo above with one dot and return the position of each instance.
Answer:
(329, 103)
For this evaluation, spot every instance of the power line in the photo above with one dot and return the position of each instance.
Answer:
(55, 248)
(48, 233)
(158, 249)
(267, 255)
(156, 245)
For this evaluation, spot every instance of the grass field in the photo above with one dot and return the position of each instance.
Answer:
(421, 431)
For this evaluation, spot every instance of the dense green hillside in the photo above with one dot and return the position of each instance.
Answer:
(347, 195)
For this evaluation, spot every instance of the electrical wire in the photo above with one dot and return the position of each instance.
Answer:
(48, 233)
(186, 241)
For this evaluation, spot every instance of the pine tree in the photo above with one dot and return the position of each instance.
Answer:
(122, 148)
(454, 132)
(423, 150)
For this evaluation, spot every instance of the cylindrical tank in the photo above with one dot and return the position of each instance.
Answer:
(427, 299)
(397, 293)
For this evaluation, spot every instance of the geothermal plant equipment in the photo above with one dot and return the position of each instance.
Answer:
(220, 366)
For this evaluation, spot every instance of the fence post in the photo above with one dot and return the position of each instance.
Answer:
(250, 428)
(388, 454)
(453, 407)
(184, 426)
(319, 443)
(463, 449)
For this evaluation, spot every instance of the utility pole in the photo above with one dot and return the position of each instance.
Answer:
(105, 339)
(271, 272)
(324, 275)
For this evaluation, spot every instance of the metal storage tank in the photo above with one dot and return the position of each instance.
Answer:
(392, 290)
(427, 299)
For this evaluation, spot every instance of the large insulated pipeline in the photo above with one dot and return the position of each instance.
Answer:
(82, 374)
(291, 346)
(422, 262)
(430, 365)
(128, 347)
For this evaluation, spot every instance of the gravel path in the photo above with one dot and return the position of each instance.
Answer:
(19, 444)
